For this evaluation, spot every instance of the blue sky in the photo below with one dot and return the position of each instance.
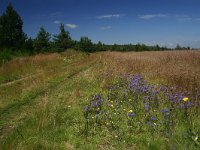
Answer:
(163, 22)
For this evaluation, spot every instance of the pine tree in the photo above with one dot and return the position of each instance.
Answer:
(85, 44)
(99, 46)
(63, 40)
(28, 46)
(42, 41)
(11, 32)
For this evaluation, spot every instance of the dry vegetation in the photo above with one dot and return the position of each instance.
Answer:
(177, 68)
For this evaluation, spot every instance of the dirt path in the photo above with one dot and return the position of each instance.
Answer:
(8, 114)
(32, 76)
(21, 79)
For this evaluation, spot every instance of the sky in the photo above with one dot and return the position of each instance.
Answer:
(163, 22)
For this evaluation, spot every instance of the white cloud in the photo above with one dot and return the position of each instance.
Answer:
(152, 16)
(72, 26)
(57, 22)
(110, 16)
(105, 28)
(183, 18)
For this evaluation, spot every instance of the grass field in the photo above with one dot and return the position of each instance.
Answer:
(48, 101)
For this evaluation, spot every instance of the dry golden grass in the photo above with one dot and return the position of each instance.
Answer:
(27, 66)
(174, 68)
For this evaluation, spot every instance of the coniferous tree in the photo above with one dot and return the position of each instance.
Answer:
(85, 44)
(42, 41)
(28, 46)
(11, 29)
(99, 46)
(63, 40)
(178, 47)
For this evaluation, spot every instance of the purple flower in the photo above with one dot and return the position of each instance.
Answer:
(94, 104)
(155, 92)
(97, 97)
(164, 110)
(131, 114)
(152, 118)
(186, 105)
(99, 102)
(149, 123)
(172, 98)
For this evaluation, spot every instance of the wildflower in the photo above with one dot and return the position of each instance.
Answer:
(164, 110)
(131, 114)
(185, 99)
(196, 138)
(99, 102)
(111, 105)
(152, 118)
(130, 111)
(69, 106)
(150, 124)
(94, 104)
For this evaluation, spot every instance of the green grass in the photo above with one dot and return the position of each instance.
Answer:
(47, 111)
(40, 117)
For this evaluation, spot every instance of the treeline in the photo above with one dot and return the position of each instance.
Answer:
(128, 47)
(14, 40)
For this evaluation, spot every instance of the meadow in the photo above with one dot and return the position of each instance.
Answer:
(102, 100)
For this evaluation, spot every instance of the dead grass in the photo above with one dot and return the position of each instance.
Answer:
(28, 66)
(174, 68)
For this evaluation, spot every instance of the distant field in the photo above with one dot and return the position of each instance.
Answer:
(43, 97)
(180, 68)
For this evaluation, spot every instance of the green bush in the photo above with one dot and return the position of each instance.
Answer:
(8, 54)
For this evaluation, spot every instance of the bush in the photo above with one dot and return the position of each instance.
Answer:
(8, 54)
(5, 56)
